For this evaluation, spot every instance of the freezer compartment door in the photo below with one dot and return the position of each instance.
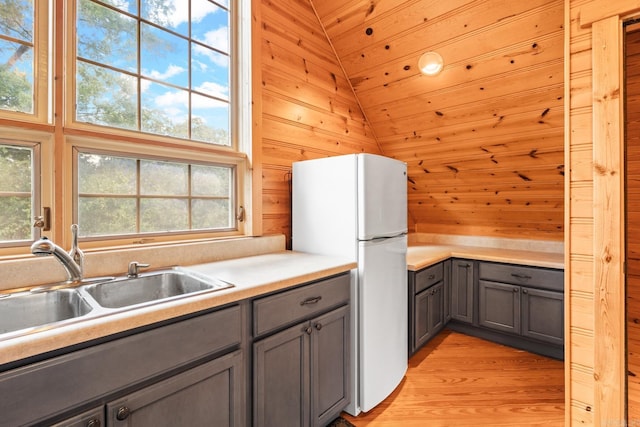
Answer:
(382, 284)
(382, 197)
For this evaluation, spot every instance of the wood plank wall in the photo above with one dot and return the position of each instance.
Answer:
(632, 192)
(308, 107)
(483, 140)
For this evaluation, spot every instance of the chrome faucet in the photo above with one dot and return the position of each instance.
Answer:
(73, 262)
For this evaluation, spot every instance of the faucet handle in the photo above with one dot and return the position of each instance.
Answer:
(134, 268)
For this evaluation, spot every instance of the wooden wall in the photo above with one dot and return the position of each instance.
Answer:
(308, 107)
(484, 139)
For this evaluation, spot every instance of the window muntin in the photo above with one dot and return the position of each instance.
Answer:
(153, 70)
(119, 195)
(19, 192)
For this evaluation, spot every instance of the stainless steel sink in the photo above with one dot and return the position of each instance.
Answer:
(28, 310)
(153, 286)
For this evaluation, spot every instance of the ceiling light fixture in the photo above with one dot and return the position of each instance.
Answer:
(430, 63)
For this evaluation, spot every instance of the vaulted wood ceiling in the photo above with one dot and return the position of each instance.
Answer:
(483, 140)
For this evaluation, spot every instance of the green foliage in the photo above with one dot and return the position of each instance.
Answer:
(15, 178)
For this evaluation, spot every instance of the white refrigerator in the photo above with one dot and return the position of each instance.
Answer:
(355, 206)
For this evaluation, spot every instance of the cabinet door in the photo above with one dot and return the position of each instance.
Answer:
(499, 306)
(421, 319)
(330, 377)
(462, 290)
(447, 291)
(281, 378)
(436, 309)
(543, 315)
(210, 394)
(91, 418)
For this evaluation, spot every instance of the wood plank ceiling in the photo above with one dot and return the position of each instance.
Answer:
(484, 139)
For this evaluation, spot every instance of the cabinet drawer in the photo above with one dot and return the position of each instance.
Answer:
(429, 276)
(519, 275)
(276, 311)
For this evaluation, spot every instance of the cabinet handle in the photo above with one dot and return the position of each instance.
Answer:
(432, 276)
(521, 276)
(524, 291)
(93, 422)
(515, 290)
(318, 326)
(311, 300)
(123, 413)
(308, 330)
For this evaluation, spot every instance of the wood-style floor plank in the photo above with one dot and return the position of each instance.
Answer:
(458, 380)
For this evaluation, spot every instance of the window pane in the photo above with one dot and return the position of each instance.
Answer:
(103, 216)
(210, 120)
(125, 5)
(165, 57)
(98, 174)
(211, 214)
(163, 215)
(16, 19)
(210, 72)
(106, 97)
(168, 14)
(210, 24)
(16, 171)
(163, 178)
(210, 181)
(165, 110)
(106, 36)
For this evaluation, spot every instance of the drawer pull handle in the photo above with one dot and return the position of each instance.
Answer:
(312, 300)
(521, 276)
(432, 276)
(123, 413)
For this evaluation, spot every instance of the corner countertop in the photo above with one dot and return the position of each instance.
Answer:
(252, 276)
(424, 255)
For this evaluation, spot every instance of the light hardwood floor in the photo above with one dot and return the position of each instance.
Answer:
(458, 380)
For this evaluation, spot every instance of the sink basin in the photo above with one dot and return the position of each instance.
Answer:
(149, 287)
(27, 310)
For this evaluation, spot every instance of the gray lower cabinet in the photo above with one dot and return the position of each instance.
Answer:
(184, 369)
(301, 372)
(427, 295)
(462, 295)
(521, 300)
(208, 395)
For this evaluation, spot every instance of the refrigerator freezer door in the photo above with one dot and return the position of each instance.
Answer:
(383, 340)
(325, 206)
(382, 197)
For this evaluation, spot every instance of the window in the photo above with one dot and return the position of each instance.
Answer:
(122, 195)
(19, 192)
(143, 132)
(159, 67)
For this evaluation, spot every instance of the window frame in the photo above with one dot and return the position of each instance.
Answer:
(75, 144)
(42, 190)
(58, 135)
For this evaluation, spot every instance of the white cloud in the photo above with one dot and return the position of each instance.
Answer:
(172, 70)
(214, 89)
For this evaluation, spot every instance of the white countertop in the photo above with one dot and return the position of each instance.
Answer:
(424, 255)
(251, 276)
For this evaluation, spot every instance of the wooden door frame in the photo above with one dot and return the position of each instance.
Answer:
(605, 17)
